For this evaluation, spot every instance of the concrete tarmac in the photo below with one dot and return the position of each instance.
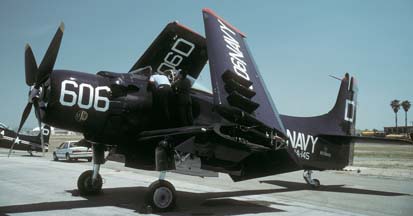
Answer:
(40, 186)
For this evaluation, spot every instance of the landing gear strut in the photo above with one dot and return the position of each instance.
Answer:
(90, 182)
(314, 183)
(161, 194)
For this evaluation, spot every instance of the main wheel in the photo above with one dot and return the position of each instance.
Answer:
(85, 185)
(161, 196)
(55, 158)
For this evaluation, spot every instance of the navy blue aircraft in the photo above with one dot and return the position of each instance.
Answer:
(236, 128)
(8, 139)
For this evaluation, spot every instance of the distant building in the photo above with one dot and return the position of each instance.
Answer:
(372, 133)
(55, 131)
(398, 130)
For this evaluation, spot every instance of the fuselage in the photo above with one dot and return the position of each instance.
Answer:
(113, 108)
(24, 142)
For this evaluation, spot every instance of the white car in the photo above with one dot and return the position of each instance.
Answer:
(69, 150)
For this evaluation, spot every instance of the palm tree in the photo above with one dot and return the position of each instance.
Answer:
(406, 106)
(395, 105)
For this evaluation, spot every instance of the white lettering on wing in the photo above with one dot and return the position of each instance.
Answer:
(236, 56)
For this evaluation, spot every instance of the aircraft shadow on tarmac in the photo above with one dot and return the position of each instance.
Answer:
(72, 161)
(188, 203)
(295, 186)
(24, 154)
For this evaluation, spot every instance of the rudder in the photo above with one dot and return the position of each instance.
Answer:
(346, 104)
(46, 131)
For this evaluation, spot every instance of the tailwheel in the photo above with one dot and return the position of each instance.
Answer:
(161, 196)
(87, 186)
(314, 183)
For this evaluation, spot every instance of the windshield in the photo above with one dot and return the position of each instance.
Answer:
(203, 83)
(202, 87)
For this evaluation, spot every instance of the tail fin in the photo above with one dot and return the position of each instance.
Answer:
(340, 120)
(326, 140)
(345, 106)
(46, 134)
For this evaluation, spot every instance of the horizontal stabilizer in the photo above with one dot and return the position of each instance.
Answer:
(364, 139)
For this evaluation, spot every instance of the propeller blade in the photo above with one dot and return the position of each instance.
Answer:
(30, 65)
(16, 140)
(26, 113)
(49, 59)
(37, 110)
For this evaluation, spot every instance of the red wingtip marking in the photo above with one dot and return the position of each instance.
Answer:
(211, 12)
(186, 28)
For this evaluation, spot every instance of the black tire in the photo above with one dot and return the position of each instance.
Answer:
(68, 157)
(55, 158)
(316, 184)
(85, 186)
(161, 196)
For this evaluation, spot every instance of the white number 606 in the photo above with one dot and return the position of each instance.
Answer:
(73, 99)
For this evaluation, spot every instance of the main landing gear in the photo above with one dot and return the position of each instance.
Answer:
(161, 195)
(314, 183)
(90, 182)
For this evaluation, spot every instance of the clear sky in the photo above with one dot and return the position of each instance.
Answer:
(296, 45)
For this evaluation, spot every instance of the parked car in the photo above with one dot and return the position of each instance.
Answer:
(71, 150)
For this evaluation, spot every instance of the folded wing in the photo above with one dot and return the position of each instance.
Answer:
(237, 84)
(176, 47)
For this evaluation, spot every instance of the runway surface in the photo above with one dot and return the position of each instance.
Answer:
(40, 186)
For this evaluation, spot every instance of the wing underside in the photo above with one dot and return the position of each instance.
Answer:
(237, 84)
